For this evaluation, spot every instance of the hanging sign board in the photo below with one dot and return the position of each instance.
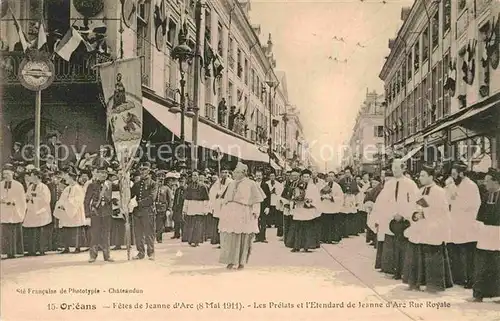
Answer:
(36, 71)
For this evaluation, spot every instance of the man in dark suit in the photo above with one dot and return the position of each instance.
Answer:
(178, 206)
(264, 207)
(98, 206)
(145, 192)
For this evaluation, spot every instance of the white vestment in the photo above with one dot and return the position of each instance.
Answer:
(387, 206)
(215, 195)
(301, 213)
(13, 202)
(332, 202)
(240, 207)
(464, 207)
(38, 211)
(69, 209)
(434, 228)
(276, 195)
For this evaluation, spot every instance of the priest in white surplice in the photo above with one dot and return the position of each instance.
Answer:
(306, 212)
(332, 199)
(276, 188)
(69, 209)
(12, 212)
(38, 214)
(427, 261)
(215, 194)
(395, 203)
(238, 219)
(465, 202)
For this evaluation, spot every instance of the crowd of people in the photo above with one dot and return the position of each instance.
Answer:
(430, 232)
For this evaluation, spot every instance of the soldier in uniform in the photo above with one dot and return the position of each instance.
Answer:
(145, 191)
(163, 204)
(98, 206)
(56, 187)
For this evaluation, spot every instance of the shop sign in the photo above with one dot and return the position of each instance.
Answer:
(36, 71)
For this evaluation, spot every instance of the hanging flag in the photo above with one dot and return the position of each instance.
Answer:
(122, 91)
(182, 9)
(22, 37)
(123, 95)
(68, 44)
(42, 35)
(253, 112)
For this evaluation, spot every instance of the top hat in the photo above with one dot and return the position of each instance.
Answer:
(8, 167)
(460, 166)
(398, 227)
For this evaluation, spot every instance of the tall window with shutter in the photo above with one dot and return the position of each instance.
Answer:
(246, 71)
(409, 65)
(434, 95)
(220, 40)
(143, 47)
(416, 56)
(446, 95)
(446, 16)
(435, 29)
(425, 44)
(230, 98)
(418, 107)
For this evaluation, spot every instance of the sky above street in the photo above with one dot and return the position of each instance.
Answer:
(307, 37)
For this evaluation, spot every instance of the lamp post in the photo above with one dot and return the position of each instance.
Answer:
(285, 121)
(272, 85)
(184, 55)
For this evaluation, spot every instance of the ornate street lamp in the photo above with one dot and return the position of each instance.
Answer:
(184, 55)
(272, 85)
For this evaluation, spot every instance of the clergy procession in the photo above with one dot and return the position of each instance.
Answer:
(430, 233)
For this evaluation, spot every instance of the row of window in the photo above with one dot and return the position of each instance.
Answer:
(429, 41)
(144, 50)
(422, 107)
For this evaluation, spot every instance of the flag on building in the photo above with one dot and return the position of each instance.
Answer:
(182, 9)
(42, 35)
(68, 44)
(22, 37)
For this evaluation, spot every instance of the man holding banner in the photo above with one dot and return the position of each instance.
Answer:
(122, 91)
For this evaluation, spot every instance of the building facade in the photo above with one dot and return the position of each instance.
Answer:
(442, 84)
(241, 97)
(366, 145)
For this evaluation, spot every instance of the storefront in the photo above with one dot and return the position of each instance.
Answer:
(472, 137)
(213, 142)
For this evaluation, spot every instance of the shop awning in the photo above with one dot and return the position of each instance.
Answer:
(411, 153)
(215, 139)
(464, 116)
(208, 136)
(170, 120)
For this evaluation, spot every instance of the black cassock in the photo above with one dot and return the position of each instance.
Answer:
(487, 265)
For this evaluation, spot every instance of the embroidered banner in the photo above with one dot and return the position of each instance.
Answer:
(122, 91)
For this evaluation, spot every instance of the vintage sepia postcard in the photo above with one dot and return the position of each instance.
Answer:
(250, 160)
